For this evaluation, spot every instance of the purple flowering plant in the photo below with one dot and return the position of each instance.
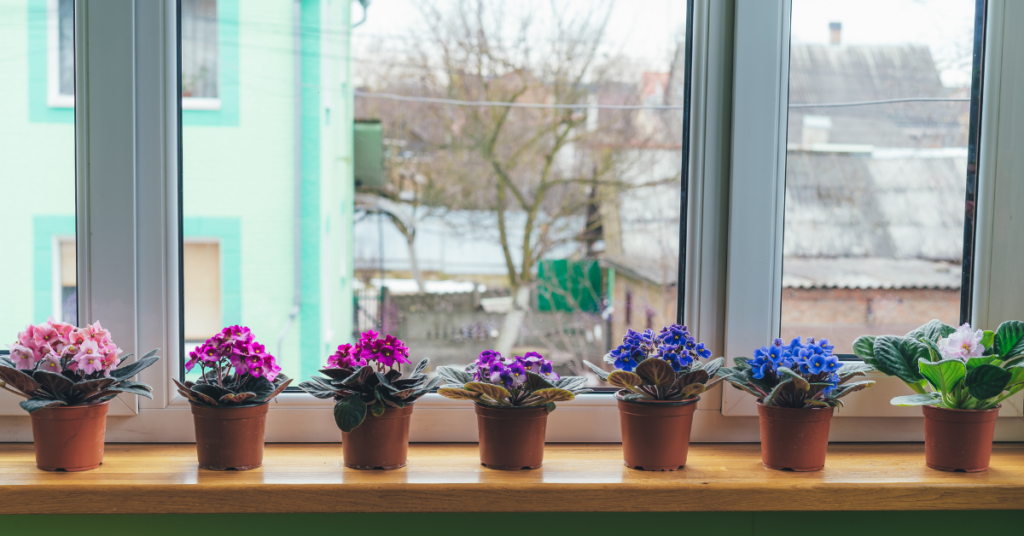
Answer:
(236, 370)
(367, 377)
(663, 366)
(802, 374)
(520, 381)
(954, 368)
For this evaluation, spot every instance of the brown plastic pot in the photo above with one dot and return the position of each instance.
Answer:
(230, 437)
(958, 439)
(379, 442)
(794, 439)
(511, 438)
(70, 438)
(655, 434)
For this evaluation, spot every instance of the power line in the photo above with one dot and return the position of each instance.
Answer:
(883, 101)
(455, 102)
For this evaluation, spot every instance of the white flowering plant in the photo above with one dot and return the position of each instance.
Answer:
(953, 368)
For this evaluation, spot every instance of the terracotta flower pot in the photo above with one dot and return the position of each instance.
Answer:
(958, 439)
(69, 438)
(655, 434)
(794, 439)
(230, 437)
(379, 442)
(511, 438)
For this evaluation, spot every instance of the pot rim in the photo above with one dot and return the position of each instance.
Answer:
(485, 406)
(779, 408)
(661, 403)
(243, 406)
(952, 410)
(80, 406)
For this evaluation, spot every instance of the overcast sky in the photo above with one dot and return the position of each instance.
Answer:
(648, 30)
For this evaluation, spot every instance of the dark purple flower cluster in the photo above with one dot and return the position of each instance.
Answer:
(810, 358)
(673, 344)
(510, 373)
(235, 347)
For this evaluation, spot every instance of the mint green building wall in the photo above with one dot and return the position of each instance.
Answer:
(238, 168)
(540, 524)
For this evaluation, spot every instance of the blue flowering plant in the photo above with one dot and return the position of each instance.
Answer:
(520, 381)
(663, 366)
(952, 368)
(802, 375)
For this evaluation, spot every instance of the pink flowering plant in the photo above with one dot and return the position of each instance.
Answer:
(236, 370)
(526, 381)
(58, 364)
(367, 377)
(954, 368)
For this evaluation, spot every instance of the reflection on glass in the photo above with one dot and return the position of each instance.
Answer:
(37, 164)
(365, 187)
(875, 192)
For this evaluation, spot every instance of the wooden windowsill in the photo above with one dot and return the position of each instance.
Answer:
(164, 478)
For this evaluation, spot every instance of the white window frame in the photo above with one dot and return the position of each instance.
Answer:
(128, 235)
(56, 99)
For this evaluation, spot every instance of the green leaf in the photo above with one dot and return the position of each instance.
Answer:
(281, 382)
(210, 390)
(848, 388)
(988, 338)
(454, 376)
(692, 390)
(848, 370)
(712, 366)
(240, 398)
(696, 376)
(201, 398)
(571, 383)
(420, 366)
(933, 331)
(18, 380)
(497, 393)
(360, 375)
(1009, 339)
(35, 404)
(798, 380)
(975, 362)
(625, 380)
(656, 372)
(784, 384)
(864, 347)
(943, 375)
(535, 382)
(53, 383)
(898, 356)
(132, 369)
(987, 381)
(132, 389)
(1016, 375)
(548, 396)
(550, 406)
(934, 354)
(91, 386)
(926, 399)
(601, 373)
(317, 390)
(349, 413)
(458, 394)
(377, 409)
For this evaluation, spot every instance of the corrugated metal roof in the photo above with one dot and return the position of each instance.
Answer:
(869, 273)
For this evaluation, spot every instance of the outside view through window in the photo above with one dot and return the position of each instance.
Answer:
(463, 175)
(875, 193)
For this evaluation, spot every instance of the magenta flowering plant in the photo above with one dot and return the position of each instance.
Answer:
(58, 364)
(520, 381)
(236, 370)
(367, 377)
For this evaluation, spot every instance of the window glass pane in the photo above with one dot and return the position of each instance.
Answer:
(366, 186)
(199, 58)
(37, 164)
(875, 191)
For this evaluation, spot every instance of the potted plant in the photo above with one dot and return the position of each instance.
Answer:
(373, 403)
(660, 378)
(798, 386)
(513, 398)
(959, 375)
(230, 399)
(68, 376)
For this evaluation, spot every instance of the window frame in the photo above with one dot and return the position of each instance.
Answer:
(129, 223)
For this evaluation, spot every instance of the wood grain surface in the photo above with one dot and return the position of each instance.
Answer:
(164, 478)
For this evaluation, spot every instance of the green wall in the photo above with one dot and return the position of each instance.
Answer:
(518, 524)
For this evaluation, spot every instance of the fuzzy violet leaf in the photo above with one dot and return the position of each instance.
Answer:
(493, 380)
(801, 374)
(367, 378)
(232, 365)
(56, 363)
(660, 366)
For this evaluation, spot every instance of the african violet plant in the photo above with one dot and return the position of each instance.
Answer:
(57, 364)
(667, 365)
(363, 378)
(493, 380)
(801, 375)
(235, 371)
(963, 367)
